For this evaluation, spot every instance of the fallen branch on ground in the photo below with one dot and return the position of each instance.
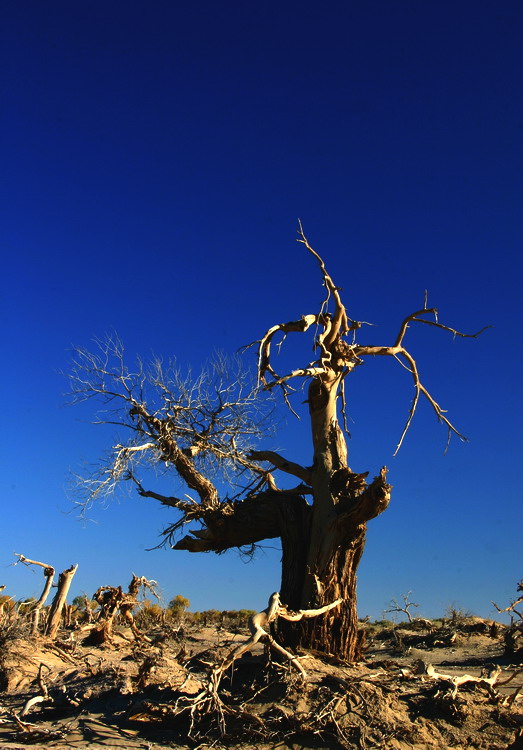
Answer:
(457, 680)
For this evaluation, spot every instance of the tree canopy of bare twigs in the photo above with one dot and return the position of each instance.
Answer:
(200, 426)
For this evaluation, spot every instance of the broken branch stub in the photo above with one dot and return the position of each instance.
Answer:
(55, 613)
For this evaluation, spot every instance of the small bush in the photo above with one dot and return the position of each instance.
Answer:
(13, 628)
(383, 623)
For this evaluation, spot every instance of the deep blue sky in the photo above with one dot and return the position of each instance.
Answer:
(155, 160)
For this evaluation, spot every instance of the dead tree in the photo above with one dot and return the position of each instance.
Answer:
(109, 599)
(113, 601)
(49, 572)
(55, 613)
(396, 607)
(64, 582)
(212, 424)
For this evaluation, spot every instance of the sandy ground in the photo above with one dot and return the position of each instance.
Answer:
(125, 696)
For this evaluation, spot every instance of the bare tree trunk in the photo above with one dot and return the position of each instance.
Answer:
(326, 553)
(104, 632)
(67, 618)
(49, 576)
(109, 598)
(334, 632)
(55, 613)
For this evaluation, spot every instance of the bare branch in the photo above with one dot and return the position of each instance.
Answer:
(421, 389)
(281, 463)
(171, 502)
(305, 614)
(340, 324)
(413, 318)
(27, 561)
(264, 349)
(398, 350)
(512, 607)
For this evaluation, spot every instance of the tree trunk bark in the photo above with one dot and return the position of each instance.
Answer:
(320, 561)
(335, 632)
(322, 543)
(55, 613)
(49, 576)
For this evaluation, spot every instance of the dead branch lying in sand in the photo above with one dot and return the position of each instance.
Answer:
(456, 681)
(30, 733)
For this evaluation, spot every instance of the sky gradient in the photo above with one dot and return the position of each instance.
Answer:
(156, 158)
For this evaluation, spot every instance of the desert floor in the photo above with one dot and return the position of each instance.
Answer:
(139, 694)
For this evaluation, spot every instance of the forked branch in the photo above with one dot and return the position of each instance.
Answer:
(338, 357)
(398, 351)
(340, 324)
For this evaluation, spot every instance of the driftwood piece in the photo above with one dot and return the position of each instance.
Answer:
(44, 692)
(31, 733)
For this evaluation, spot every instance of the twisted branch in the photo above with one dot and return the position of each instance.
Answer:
(337, 357)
